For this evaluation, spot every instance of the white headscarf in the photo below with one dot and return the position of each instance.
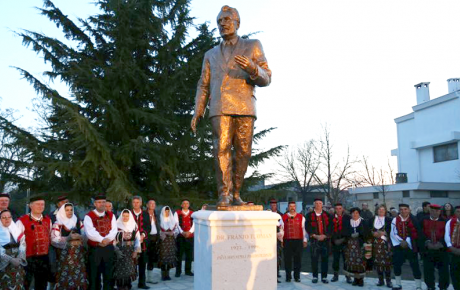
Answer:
(7, 232)
(129, 226)
(167, 223)
(62, 219)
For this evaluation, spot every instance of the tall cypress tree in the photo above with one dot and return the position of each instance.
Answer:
(132, 72)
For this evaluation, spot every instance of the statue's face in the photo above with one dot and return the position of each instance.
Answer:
(227, 25)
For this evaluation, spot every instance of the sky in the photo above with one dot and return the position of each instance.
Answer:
(350, 64)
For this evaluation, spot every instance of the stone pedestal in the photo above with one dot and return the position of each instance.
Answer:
(235, 250)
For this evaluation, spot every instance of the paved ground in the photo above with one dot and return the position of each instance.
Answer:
(186, 283)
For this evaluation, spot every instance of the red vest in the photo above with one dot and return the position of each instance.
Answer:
(455, 233)
(37, 235)
(434, 230)
(102, 224)
(185, 221)
(406, 228)
(293, 227)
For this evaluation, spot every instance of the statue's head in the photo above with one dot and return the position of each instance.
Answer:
(228, 21)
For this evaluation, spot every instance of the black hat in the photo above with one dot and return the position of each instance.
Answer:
(35, 198)
(355, 209)
(457, 207)
(273, 200)
(318, 199)
(150, 198)
(61, 198)
(291, 202)
(3, 194)
(99, 197)
(338, 204)
(404, 205)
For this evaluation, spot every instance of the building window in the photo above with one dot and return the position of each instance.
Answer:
(376, 195)
(439, 193)
(406, 193)
(445, 152)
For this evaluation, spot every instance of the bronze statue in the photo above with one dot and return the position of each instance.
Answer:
(229, 75)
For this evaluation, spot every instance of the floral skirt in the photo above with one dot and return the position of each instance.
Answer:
(71, 268)
(12, 278)
(167, 252)
(381, 254)
(354, 256)
(125, 267)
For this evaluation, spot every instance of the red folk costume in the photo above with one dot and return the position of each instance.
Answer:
(455, 233)
(338, 223)
(185, 221)
(102, 224)
(407, 229)
(293, 227)
(37, 235)
(434, 230)
(319, 223)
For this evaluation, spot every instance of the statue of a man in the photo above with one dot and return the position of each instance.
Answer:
(230, 73)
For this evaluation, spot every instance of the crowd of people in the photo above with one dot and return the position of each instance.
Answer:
(61, 252)
(366, 242)
(106, 251)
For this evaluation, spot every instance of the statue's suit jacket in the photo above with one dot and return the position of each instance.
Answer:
(229, 89)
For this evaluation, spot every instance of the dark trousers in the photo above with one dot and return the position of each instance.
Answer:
(338, 251)
(100, 261)
(141, 264)
(152, 252)
(293, 251)
(319, 250)
(436, 260)
(400, 255)
(455, 271)
(184, 246)
(37, 268)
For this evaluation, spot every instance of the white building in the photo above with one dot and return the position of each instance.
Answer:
(427, 153)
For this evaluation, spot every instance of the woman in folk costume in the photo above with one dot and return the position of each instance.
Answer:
(381, 246)
(169, 231)
(67, 237)
(127, 247)
(355, 260)
(12, 254)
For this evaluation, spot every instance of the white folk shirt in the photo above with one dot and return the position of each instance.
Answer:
(153, 230)
(447, 237)
(93, 235)
(395, 238)
(176, 218)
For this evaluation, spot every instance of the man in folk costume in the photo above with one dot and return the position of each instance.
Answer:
(340, 228)
(319, 228)
(279, 241)
(60, 201)
(434, 248)
(295, 236)
(144, 226)
(184, 240)
(404, 234)
(100, 229)
(153, 239)
(452, 239)
(37, 229)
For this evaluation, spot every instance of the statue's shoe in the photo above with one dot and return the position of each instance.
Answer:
(224, 200)
(237, 200)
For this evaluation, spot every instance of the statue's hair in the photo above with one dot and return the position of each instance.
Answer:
(233, 11)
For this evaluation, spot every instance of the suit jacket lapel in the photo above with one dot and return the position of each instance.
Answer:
(218, 57)
(239, 49)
